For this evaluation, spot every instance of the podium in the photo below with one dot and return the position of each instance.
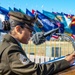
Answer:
(69, 71)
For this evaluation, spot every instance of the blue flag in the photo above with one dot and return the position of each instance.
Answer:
(47, 22)
(3, 10)
(29, 13)
(15, 9)
(2, 18)
(36, 25)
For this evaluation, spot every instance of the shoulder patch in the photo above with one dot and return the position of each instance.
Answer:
(23, 59)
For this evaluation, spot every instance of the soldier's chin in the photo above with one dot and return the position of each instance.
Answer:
(25, 42)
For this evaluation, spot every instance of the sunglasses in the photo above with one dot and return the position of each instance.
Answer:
(29, 29)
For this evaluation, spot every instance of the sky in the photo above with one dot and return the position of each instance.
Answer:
(66, 6)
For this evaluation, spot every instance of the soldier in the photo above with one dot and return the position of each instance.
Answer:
(13, 60)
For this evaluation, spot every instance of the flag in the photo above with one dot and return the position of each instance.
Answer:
(29, 13)
(67, 27)
(49, 14)
(15, 9)
(2, 18)
(52, 15)
(37, 24)
(72, 25)
(73, 28)
(33, 11)
(73, 36)
(68, 20)
(3, 10)
(55, 19)
(47, 23)
(59, 16)
(21, 11)
(10, 9)
(55, 36)
(72, 21)
(36, 28)
(18, 10)
(69, 15)
(65, 21)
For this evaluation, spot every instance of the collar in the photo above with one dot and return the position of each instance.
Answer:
(9, 38)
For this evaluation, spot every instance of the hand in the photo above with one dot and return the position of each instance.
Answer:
(70, 58)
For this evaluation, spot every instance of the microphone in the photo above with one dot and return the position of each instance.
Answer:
(40, 37)
(50, 32)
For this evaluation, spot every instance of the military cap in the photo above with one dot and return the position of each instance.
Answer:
(18, 16)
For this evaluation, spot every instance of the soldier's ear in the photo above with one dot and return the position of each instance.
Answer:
(18, 29)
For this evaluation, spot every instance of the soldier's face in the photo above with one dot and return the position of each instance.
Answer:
(26, 34)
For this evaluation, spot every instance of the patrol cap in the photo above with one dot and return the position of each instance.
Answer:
(20, 17)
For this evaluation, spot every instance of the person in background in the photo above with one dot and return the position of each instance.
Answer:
(13, 59)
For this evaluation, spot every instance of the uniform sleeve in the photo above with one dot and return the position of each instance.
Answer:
(21, 65)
